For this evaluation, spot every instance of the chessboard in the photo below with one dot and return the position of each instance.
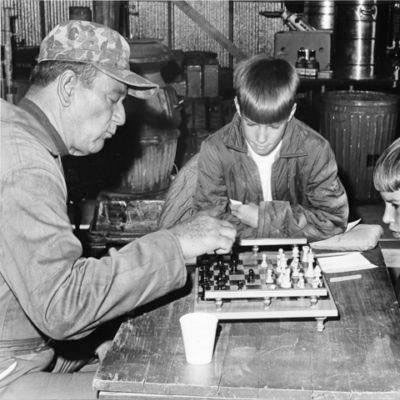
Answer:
(283, 283)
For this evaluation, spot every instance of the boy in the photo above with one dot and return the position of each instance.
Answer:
(387, 182)
(267, 172)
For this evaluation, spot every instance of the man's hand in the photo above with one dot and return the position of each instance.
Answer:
(247, 213)
(204, 234)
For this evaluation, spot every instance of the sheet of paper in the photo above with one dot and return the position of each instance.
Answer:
(235, 202)
(348, 262)
(351, 225)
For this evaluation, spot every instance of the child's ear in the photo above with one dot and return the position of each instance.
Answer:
(293, 111)
(237, 105)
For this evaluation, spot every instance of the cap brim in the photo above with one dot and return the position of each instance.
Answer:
(138, 86)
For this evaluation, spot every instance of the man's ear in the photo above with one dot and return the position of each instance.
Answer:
(237, 106)
(293, 111)
(66, 85)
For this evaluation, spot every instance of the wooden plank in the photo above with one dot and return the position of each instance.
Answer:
(199, 19)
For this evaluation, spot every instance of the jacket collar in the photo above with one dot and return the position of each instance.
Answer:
(48, 136)
(292, 143)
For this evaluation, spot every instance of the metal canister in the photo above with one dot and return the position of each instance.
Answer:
(357, 39)
(320, 14)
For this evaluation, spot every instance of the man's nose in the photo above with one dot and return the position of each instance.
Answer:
(119, 114)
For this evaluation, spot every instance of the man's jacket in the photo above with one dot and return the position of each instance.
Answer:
(308, 197)
(47, 290)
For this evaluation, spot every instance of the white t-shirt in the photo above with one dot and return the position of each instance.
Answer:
(264, 164)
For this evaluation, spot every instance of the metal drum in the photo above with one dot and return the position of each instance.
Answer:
(150, 134)
(320, 14)
(359, 125)
(356, 39)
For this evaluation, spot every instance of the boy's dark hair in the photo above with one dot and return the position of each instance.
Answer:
(47, 71)
(265, 88)
(387, 169)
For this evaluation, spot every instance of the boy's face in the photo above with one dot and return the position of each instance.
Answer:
(262, 138)
(392, 211)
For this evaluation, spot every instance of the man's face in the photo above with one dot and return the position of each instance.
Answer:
(94, 114)
(392, 211)
(262, 138)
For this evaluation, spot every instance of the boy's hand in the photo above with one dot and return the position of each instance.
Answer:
(247, 213)
(204, 234)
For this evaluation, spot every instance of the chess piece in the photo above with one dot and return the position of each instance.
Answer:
(295, 267)
(301, 283)
(317, 276)
(255, 255)
(251, 276)
(269, 278)
(304, 257)
(309, 274)
(285, 279)
(295, 252)
(264, 263)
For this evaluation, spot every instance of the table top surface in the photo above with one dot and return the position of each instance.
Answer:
(356, 356)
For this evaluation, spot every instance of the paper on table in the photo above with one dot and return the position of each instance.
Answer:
(235, 202)
(351, 225)
(348, 262)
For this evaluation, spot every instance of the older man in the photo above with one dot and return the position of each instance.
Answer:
(47, 289)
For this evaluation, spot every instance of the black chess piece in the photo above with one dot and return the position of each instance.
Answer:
(240, 284)
(251, 276)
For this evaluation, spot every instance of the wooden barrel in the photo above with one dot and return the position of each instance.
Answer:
(359, 125)
(80, 13)
(152, 124)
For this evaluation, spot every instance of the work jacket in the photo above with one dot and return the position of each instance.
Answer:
(308, 199)
(47, 289)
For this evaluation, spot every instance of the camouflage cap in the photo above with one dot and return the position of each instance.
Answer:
(99, 45)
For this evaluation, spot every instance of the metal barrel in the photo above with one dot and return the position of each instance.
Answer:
(359, 125)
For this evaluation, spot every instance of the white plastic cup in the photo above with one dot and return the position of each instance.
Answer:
(198, 332)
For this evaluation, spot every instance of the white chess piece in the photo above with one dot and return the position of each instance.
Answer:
(295, 252)
(264, 263)
(285, 279)
(304, 258)
(309, 274)
(300, 283)
(269, 278)
(295, 267)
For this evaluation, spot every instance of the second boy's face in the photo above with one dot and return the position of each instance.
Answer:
(262, 138)
(392, 211)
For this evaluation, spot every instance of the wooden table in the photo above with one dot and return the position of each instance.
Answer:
(357, 356)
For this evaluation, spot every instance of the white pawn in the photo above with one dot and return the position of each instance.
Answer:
(264, 263)
(295, 252)
(295, 268)
(300, 283)
(304, 258)
(285, 279)
(317, 276)
(269, 278)
(283, 262)
(279, 255)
